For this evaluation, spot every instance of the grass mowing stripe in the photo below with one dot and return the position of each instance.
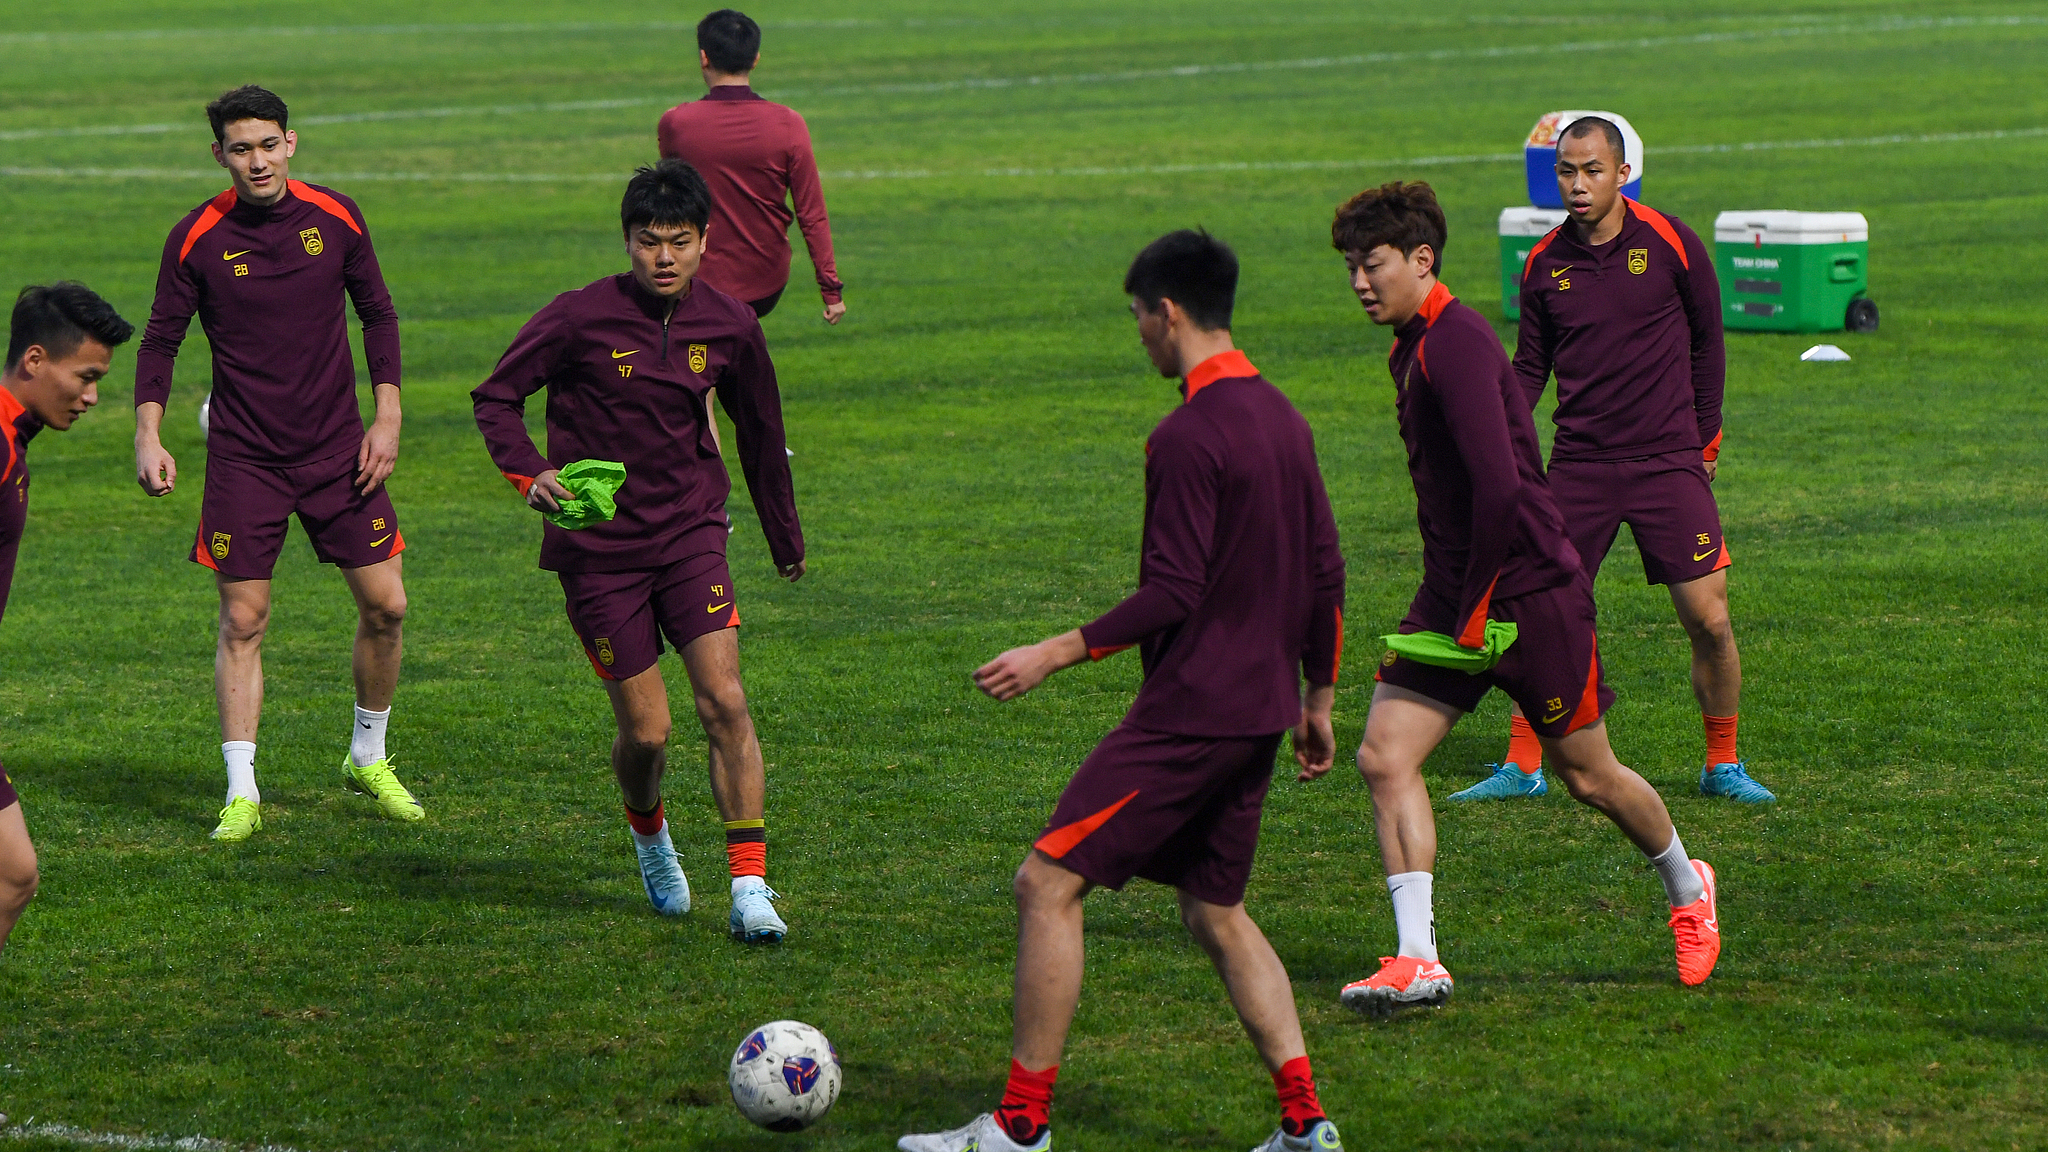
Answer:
(86, 1138)
(1890, 24)
(1137, 170)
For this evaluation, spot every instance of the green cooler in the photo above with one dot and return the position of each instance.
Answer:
(1794, 271)
(1520, 229)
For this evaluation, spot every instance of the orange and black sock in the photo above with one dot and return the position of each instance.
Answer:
(1299, 1108)
(646, 823)
(1720, 740)
(746, 847)
(1525, 751)
(1026, 1110)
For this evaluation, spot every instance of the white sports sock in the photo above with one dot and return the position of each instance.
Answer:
(659, 838)
(366, 740)
(1681, 884)
(240, 756)
(1412, 914)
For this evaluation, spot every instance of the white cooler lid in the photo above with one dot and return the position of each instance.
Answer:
(1527, 221)
(1776, 226)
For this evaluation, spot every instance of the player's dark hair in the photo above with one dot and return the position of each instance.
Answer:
(59, 317)
(667, 195)
(245, 103)
(1191, 268)
(730, 41)
(1405, 216)
(1585, 126)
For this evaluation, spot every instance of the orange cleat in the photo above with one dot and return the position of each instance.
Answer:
(1401, 982)
(1697, 929)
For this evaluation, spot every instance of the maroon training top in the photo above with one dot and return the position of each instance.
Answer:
(1240, 583)
(17, 426)
(754, 155)
(1490, 529)
(1633, 330)
(267, 285)
(626, 372)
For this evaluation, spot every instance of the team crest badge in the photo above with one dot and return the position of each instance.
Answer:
(219, 548)
(700, 355)
(1387, 661)
(311, 239)
(604, 651)
(1638, 261)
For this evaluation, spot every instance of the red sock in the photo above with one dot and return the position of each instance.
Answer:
(1720, 739)
(1524, 750)
(1299, 1107)
(746, 847)
(1026, 1110)
(645, 823)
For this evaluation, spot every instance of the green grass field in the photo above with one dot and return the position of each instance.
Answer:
(968, 466)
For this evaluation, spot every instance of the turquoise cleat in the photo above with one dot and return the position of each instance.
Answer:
(1732, 781)
(1507, 782)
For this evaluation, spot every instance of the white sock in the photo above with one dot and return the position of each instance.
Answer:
(1681, 884)
(659, 838)
(1412, 915)
(240, 756)
(366, 741)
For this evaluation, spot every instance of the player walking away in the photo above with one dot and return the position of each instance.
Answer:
(264, 265)
(58, 347)
(627, 362)
(1240, 597)
(756, 157)
(1621, 302)
(1493, 548)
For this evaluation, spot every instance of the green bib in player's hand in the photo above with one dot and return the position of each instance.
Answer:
(1444, 652)
(595, 485)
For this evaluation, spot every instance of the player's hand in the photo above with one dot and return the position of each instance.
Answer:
(547, 493)
(378, 456)
(155, 470)
(1710, 470)
(791, 572)
(834, 311)
(1021, 669)
(1315, 744)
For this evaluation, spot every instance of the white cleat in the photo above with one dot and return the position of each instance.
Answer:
(1320, 1137)
(753, 912)
(983, 1134)
(667, 888)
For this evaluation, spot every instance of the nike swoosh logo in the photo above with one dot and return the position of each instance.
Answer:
(1554, 719)
(1556, 272)
(716, 607)
(380, 540)
(1704, 555)
(232, 255)
(618, 355)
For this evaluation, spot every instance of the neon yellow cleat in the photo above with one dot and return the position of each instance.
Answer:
(238, 821)
(378, 783)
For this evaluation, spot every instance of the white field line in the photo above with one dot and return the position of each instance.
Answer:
(998, 83)
(214, 174)
(85, 1138)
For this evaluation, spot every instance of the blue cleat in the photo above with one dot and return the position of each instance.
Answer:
(753, 912)
(1732, 781)
(1507, 782)
(667, 888)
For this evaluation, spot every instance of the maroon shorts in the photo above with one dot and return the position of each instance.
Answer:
(247, 507)
(1179, 810)
(621, 617)
(1552, 670)
(8, 796)
(1665, 501)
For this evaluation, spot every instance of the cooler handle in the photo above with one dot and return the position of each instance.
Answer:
(1844, 269)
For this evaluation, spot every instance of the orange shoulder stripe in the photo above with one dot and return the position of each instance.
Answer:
(1538, 249)
(215, 210)
(1656, 220)
(324, 202)
(10, 410)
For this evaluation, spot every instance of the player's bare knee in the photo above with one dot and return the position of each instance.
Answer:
(722, 708)
(384, 617)
(18, 886)
(1040, 883)
(242, 625)
(1375, 767)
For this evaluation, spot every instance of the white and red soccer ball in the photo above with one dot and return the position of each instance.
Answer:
(784, 1076)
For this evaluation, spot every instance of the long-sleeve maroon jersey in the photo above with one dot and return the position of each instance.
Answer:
(17, 427)
(626, 372)
(1490, 529)
(1240, 582)
(755, 155)
(267, 284)
(1633, 330)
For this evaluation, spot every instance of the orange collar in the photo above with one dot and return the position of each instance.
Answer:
(1222, 366)
(11, 406)
(1433, 305)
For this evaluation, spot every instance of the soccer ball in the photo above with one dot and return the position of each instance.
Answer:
(784, 1076)
(205, 409)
